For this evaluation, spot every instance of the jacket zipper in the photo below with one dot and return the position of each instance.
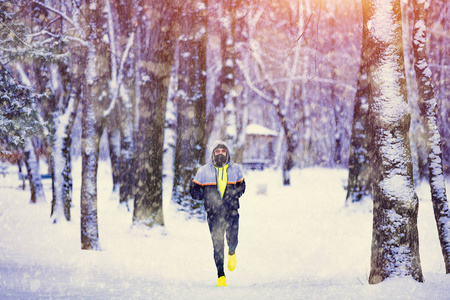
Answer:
(217, 181)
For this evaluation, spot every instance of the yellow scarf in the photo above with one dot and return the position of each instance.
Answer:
(222, 179)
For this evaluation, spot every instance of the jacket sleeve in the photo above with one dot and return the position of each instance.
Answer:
(240, 188)
(196, 191)
(240, 185)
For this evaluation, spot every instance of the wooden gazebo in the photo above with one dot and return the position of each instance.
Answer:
(259, 147)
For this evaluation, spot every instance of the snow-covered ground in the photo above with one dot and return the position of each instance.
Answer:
(297, 242)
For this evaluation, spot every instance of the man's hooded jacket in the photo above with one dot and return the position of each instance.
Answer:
(205, 185)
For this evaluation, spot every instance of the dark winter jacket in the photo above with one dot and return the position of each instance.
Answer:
(205, 187)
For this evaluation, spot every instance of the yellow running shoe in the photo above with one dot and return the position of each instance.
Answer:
(222, 281)
(232, 262)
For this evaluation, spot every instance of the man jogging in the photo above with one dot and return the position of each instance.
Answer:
(220, 183)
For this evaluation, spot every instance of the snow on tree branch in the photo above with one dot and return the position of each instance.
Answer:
(15, 35)
(58, 36)
(56, 12)
(120, 75)
(260, 93)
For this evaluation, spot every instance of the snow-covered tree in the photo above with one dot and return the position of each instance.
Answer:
(18, 112)
(428, 110)
(191, 104)
(227, 88)
(114, 138)
(19, 120)
(126, 14)
(54, 78)
(283, 94)
(91, 125)
(102, 78)
(359, 182)
(395, 241)
(121, 89)
(438, 39)
(32, 165)
(155, 52)
(19, 115)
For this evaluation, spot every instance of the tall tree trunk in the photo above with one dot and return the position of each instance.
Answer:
(291, 143)
(337, 104)
(438, 53)
(75, 93)
(359, 180)
(428, 107)
(114, 141)
(395, 241)
(30, 160)
(227, 80)
(417, 132)
(126, 17)
(191, 105)
(90, 149)
(288, 164)
(62, 90)
(127, 150)
(68, 95)
(90, 153)
(67, 156)
(34, 177)
(92, 122)
(39, 17)
(155, 59)
(293, 98)
(61, 163)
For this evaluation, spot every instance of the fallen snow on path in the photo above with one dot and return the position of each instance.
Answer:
(297, 242)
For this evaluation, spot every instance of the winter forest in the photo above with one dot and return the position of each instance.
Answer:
(145, 86)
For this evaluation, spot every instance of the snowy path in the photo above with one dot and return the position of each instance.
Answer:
(295, 242)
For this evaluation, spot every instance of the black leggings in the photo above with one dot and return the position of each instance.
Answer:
(227, 222)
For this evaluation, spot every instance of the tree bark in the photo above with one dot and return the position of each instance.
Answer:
(68, 94)
(155, 59)
(227, 79)
(291, 143)
(92, 122)
(114, 141)
(191, 106)
(428, 110)
(90, 153)
(61, 163)
(359, 178)
(337, 105)
(34, 177)
(75, 95)
(90, 149)
(395, 241)
(61, 86)
(126, 17)
(127, 151)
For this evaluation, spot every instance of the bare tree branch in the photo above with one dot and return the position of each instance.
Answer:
(120, 75)
(250, 84)
(58, 36)
(15, 35)
(56, 12)
(317, 79)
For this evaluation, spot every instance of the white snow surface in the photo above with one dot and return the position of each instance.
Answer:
(257, 129)
(296, 242)
(381, 23)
